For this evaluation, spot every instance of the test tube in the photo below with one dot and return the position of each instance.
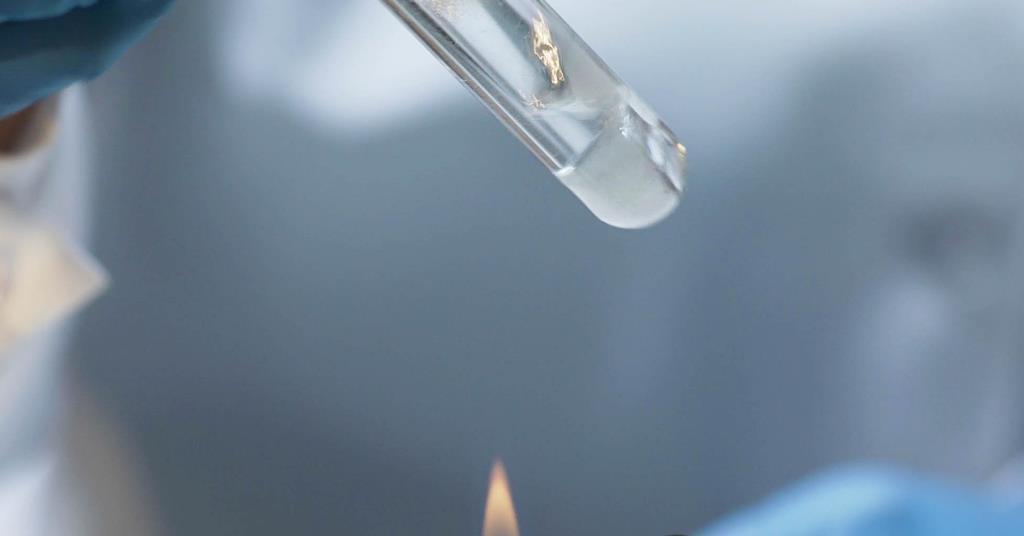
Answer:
(559, 98)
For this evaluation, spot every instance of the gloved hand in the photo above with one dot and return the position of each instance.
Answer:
(867, 501)
(46, 45)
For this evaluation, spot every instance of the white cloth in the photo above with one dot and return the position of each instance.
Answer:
(43, 218)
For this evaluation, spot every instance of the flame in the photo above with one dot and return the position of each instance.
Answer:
(500, 514)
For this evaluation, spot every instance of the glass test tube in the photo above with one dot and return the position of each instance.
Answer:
(560, 99)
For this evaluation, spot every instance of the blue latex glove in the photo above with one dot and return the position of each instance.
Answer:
(46, 45)
(866, 501)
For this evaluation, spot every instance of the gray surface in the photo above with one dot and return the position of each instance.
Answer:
(308, 335)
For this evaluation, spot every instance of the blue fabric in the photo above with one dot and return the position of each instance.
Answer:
(46, 45)
(874, 501)
(38, 9)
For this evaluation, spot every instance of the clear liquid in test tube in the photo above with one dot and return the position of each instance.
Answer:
(561, 100)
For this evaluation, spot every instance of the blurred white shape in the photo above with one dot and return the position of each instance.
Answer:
(43, 278)
(23, 508)
(370, 74)
(351, 66)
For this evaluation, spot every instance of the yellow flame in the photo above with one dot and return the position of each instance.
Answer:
(500, 514)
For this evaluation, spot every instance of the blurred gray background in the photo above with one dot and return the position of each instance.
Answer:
(330, 314)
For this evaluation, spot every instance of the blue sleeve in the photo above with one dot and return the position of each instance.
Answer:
(41, 56)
